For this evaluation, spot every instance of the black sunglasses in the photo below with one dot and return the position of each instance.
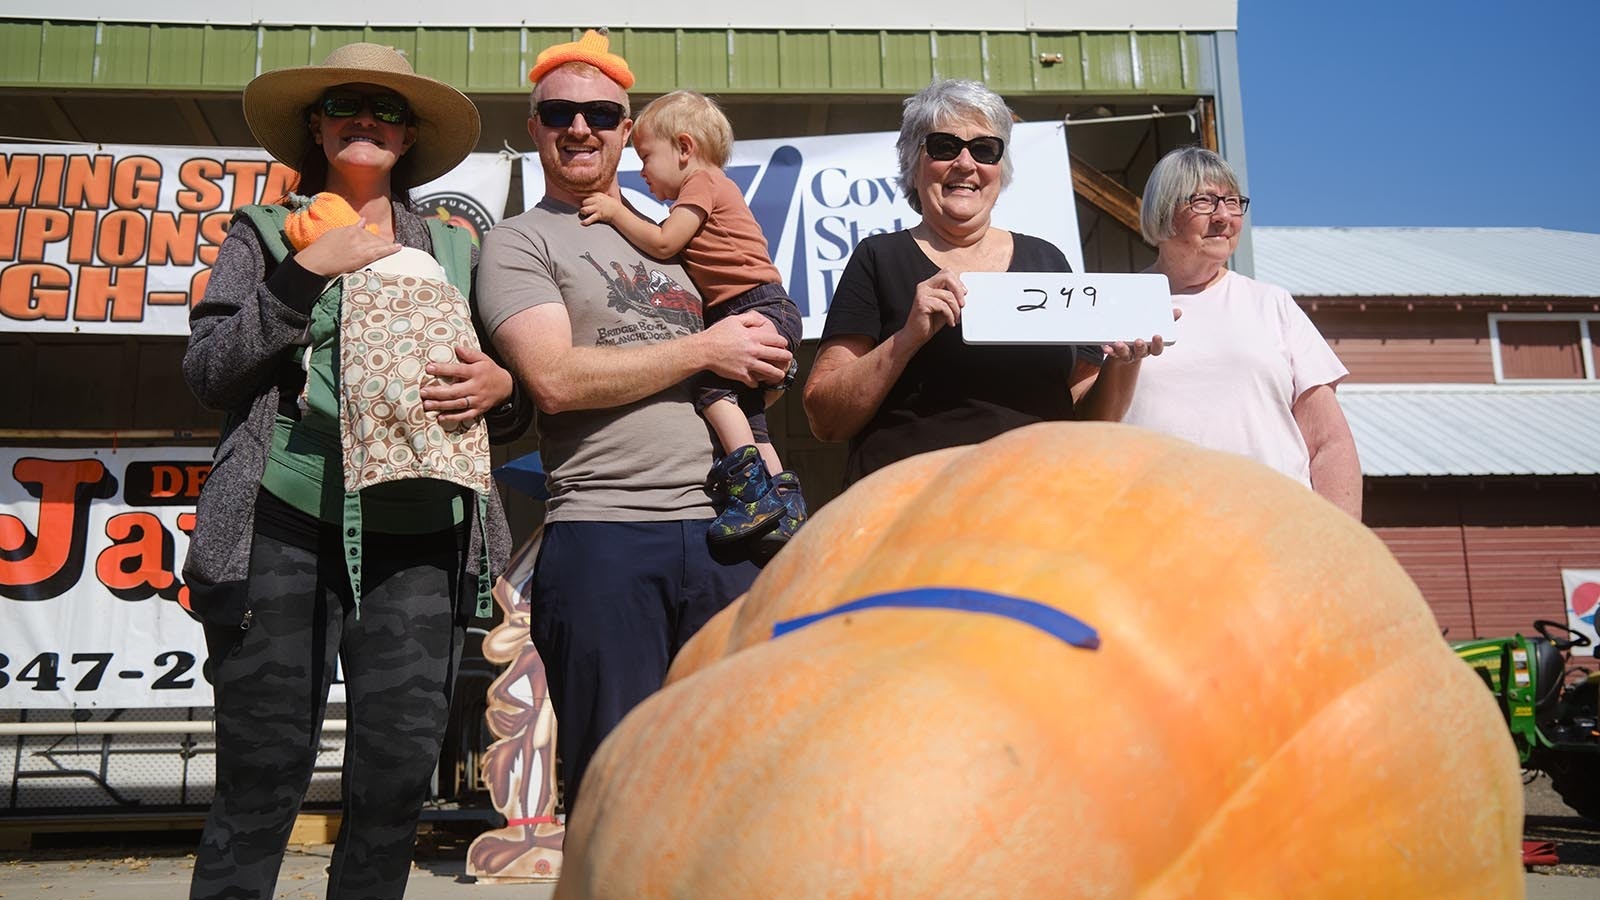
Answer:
(601, 115)
(943, 146)
(391, 109)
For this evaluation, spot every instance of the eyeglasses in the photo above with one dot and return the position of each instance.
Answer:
(942, 146)
(1206, 204)
(600, 115)
(391, 109)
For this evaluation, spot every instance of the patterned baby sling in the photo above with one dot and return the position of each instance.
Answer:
(391, 325)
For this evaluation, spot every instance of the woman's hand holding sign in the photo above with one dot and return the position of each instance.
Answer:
(937, 304)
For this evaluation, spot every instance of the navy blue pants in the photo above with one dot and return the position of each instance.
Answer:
(613, 602)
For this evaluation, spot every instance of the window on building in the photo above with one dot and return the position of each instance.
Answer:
(1535, 347)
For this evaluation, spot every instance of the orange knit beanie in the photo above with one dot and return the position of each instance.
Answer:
(325, 212)
(593, 48)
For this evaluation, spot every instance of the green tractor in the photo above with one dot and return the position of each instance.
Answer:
(1550, 708)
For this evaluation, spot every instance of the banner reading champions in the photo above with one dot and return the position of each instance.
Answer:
(816, 198)
(121, 239)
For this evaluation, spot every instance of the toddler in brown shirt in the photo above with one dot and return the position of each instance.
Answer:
(683, 139)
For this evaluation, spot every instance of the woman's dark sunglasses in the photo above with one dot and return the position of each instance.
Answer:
(601, 115)
(986, 149)
(391, 109)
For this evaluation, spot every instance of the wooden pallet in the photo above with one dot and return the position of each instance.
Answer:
(18, 833)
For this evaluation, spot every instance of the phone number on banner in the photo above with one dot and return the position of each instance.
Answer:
(87, 674)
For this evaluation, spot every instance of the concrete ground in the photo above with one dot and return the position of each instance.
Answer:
(143, 877)
(163, 873)
(148, 867)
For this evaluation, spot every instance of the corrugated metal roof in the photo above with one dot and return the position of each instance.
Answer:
(1460, 430)
(1428, 262)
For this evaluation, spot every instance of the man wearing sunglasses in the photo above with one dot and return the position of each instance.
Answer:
(607, 339)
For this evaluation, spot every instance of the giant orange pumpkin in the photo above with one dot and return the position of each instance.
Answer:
(1270, 711)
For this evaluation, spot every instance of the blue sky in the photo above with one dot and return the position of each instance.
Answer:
(1422, 112)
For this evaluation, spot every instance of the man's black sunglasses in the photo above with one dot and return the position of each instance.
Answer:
(601, 115)
(986, 149)
(391, 109)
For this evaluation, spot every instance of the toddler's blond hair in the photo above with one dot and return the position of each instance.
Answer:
(691, 113)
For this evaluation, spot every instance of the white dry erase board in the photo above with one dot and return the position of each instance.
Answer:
(1065, 308)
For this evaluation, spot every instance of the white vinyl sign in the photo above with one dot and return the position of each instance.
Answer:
(92, 543)
(816, 198)
(120, 239)
(1065, 308)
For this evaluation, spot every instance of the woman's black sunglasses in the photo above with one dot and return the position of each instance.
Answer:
(943, 146)
(391, 109)
(601, 115)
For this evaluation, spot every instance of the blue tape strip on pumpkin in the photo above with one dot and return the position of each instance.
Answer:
(1048, 619)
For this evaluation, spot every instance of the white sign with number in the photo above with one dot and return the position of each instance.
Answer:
(1065, 308)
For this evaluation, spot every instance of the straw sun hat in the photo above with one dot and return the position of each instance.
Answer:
(447, 122)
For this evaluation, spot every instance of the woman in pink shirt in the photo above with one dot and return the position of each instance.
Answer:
(1250, 374)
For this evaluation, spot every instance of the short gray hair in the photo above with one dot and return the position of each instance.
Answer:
(945, 104)
(1176, 178)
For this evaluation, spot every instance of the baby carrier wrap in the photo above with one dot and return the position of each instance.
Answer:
(396, 316)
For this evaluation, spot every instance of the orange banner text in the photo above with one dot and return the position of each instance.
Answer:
(83, 235)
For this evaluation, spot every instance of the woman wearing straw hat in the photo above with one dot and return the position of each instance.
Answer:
(289, 569)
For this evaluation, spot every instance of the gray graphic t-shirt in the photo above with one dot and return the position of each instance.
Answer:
(646, 461)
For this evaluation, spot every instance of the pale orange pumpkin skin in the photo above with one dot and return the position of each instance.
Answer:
(1271, 713)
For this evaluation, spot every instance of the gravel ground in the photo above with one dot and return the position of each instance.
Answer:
(1577, 840)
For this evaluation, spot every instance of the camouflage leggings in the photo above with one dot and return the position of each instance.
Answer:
(271, 685)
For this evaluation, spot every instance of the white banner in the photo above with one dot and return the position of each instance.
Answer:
(472, 195)
(90, 544)
(1581, 587)
(120, 239)
(816, 198)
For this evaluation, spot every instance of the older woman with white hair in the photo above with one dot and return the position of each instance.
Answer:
(1252, 375)
(893, 376)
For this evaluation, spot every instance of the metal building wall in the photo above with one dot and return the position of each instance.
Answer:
(1487, 554)
(496, 60)
(1390, 344)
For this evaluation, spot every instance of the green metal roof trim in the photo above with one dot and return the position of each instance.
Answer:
(44, 54)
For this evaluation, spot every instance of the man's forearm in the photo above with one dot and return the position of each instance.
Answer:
(562, 379)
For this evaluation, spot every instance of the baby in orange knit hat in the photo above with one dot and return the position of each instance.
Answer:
(312, 217)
